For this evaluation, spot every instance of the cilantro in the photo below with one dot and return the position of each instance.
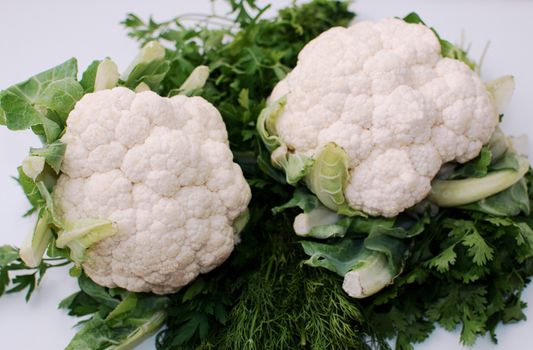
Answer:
(466, 271)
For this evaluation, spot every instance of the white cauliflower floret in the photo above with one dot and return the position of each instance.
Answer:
(162, 171)
(383, 92)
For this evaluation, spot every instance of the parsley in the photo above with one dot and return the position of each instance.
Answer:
(14, 273)
(467, 271)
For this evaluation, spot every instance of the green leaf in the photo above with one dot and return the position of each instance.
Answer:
(453, 193)
(444, 260)
(477, 167)
(244, 99)
(327, 179)
(43, 102)
(392, 248)
(126, 305)
(30, 190)
(60, 96)
(509, 161)
(19, 113)
(339, 257)
(413, 17)
(509, 202)
(301, 199)
(88, 77)
(22, 282)
(196, 288)
(149, 73)
(524, 235)
(52, 153)
(98, 293)
(2, 113)
(79, 235)
(478, 249)
(187, 331)
(8, 254)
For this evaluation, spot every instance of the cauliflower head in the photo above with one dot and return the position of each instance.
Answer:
(383, 93)
(161, 170)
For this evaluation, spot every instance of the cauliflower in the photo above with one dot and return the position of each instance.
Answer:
(160, 169)
(383, 93)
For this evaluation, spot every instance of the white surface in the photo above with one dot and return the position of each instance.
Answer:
(37, 35)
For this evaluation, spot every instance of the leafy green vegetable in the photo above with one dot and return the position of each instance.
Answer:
(244, 67)
(327, 179)
(455, 271)
(450, 193)
(467, 270)
(53, 154)
(81, 234)
(477, 167)
(510, 202)
(149, 67)
(13, 271)
(121, 319)
(43, 101)
(275, 304)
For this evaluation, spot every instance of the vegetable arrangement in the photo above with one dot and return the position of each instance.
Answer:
(384, 198)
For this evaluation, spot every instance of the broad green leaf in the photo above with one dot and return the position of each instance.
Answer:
(365, 271)
(43, 101)
(509, 161)
(393, 248)
(60, 96)
(151, 52)
(97, 292)
(509, 202)
(301, 199)
(19, 113)
(453, 193)
(126, 305)
(80, 235)
(327, 179)
(52, 153)
(149, 73)
(132, 322)
(339, 257)
(477, 167)
(149, 67)
(89, 76)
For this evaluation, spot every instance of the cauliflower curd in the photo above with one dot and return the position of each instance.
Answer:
(162, 171)
(383, 92)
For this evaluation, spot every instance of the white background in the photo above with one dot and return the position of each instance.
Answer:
(36, 35)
